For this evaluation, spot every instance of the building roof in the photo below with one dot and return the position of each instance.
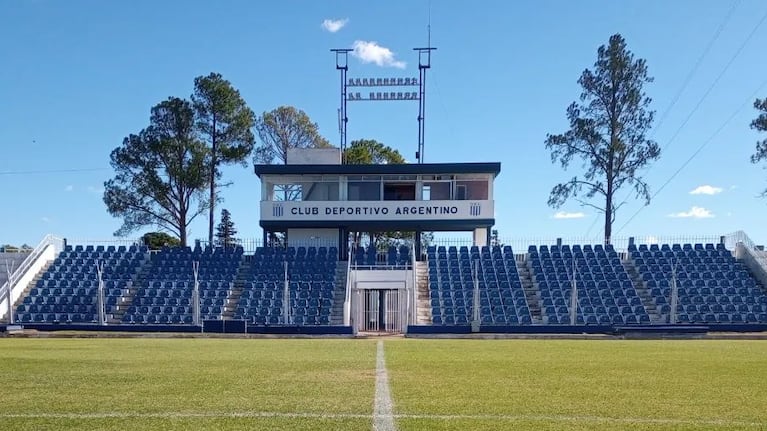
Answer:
(403, 169)
(466, 225)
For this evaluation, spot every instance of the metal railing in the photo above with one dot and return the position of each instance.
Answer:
(250, 245)
(740, 237)
(18, 273)
(105, 242)
(754, 255)
(348, 293)
(412, 305)
(381, 260)
(620, 244)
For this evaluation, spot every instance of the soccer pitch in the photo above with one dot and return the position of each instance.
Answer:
(292, 384)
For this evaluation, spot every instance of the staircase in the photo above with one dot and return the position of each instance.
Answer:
(655, 316)
(339, 295)
(423, 301)
(242, 277)
(126, 300)
(13, 261)
(26, 290)
(531, 292)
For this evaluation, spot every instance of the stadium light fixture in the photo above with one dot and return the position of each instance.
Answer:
(391, 94)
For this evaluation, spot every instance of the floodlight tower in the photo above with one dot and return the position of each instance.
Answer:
(379, 84)
(342, 65)
(424, 64)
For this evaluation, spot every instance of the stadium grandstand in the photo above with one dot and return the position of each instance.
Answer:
(324, 277)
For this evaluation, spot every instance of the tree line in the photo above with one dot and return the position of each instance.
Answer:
(169, 173)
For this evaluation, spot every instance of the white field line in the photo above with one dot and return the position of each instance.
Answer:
(182, 415)
(383, 420)
(288, 415)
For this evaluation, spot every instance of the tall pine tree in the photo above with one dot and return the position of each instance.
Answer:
(224, 121)
(225, 230)
(608, 133)
(160, 173)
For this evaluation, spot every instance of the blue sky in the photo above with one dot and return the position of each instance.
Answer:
(78, 76)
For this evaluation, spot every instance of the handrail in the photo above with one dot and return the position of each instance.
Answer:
(19, 272)
(740, 237)
(413, 297)
(348, 296)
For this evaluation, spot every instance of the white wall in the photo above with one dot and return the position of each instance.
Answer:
(313, 237)
(376, 210)
(314, 156)
(46, 256)
(382, 279)
(480, 236)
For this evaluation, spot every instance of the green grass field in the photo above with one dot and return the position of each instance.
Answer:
(229, 384)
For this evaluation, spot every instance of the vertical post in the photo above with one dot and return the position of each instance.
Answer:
(475, 320)
(196, 294)
(417, 245)
(9, 291)
(100, 292)
(349, 297)
(422, 67)
(286, 297)
(674, 296)
(383, 310)
(574, 298)
(424, 63)
(413, 294)
(342, 65)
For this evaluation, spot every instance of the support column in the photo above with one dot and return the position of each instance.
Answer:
(343, 244)
(381, 310)
(481, 236)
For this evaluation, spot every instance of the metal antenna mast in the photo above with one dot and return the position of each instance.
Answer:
(424, 64)
(342, 65)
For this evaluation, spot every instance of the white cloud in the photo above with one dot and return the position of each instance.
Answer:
(706, 190)
(96, 190)
(566, 215)
(333, 25)
(45, 219)
(695, 212)
(69, 188)
(372, 52)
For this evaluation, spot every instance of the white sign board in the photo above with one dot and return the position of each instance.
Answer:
(375, 210)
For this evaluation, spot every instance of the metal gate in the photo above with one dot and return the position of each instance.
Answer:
(381, 310)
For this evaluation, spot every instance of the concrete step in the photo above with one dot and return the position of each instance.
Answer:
(642, 291)
(339, 294)
(423, 306)
(532, 294)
